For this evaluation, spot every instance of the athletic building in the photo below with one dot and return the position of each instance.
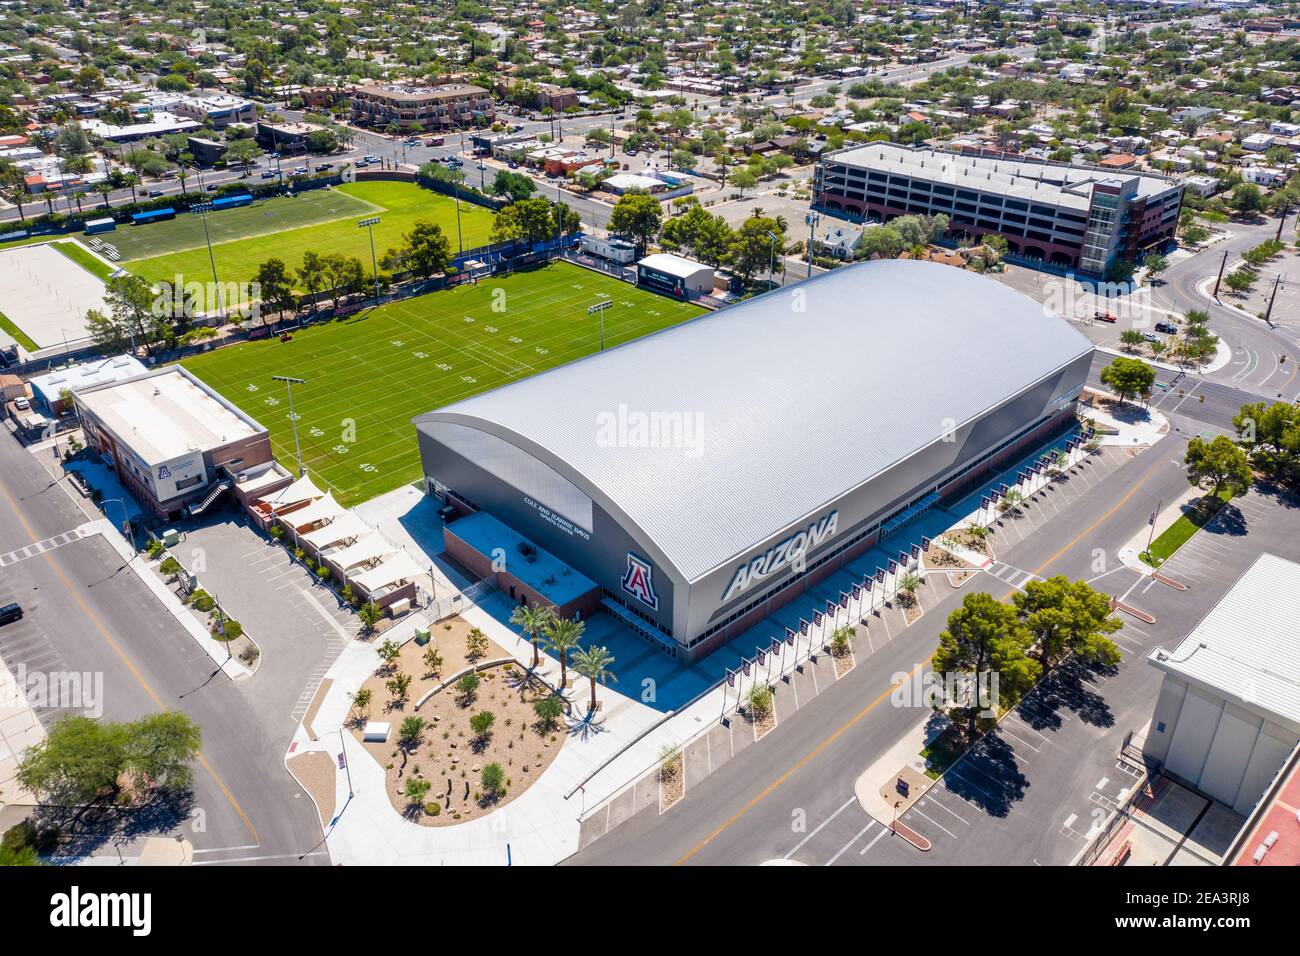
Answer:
(704, 475)
(1072, 217)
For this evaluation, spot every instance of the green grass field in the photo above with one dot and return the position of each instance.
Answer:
(78, 254)
(384, 367)
(1181, 531)
(324, 221)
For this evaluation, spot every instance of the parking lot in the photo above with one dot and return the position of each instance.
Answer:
(297, 623)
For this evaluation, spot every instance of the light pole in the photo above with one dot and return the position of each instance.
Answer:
(813, 219)
(599, 309)
(203, 209)
(289, 383)
(370, 230)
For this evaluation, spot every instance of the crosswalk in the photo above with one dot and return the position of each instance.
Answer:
(1010, 574)
(40, 547)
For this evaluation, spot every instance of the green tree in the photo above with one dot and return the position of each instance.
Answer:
(493, 779)
(1068, 616)
(275, 287)
(410, 732)
(242, 153)
(467, 687)
(532, 619)
(1218, 463)
(361, 701)
(311, 276)
(1131, 339)
(1155, 264)
(482, 724)
(1270, 434)
(514, 185)
(593, 663)
(529, 219)
(562, 636)
(425, 250)
(415, 790)
(752, 248)
(83, 760)
(399, 687)
(984, 636)
(637, 217)
(1126, 376)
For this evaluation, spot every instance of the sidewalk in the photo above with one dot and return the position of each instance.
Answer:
(877, 786)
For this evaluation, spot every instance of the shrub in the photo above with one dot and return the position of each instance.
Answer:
(493, 779)
(481, 723)
(276, 532)
(548, 710)
(201, 600)
(759, 700)
(153, 547)
(170, 567)
(416, 789)
(467, 686)
(476, 643)
(433, 809)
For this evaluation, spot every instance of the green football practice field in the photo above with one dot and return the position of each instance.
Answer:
(369, 375)
(322, 220)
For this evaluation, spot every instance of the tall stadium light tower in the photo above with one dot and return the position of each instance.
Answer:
(374, 263)
(203, 209)
(289, 383)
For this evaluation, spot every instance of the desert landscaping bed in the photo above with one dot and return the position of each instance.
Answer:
(450, 754)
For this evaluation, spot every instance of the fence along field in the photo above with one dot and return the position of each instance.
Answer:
(322, 220)
(369, 375)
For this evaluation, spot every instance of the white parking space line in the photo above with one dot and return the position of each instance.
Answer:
(932, 802)
(842, 850)
(874, 840)
(1101, 784)
(918, 812)
(1019, 740)
(798, 846)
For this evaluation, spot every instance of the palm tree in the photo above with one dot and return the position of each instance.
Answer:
(532, 619)
(593, 663)
(562, 635)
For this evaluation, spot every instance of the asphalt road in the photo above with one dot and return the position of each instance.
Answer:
(803, 772)
(85, 613)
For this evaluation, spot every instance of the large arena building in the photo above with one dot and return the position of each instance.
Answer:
(699, 478)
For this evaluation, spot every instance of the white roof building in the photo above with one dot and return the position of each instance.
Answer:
(1229, 708)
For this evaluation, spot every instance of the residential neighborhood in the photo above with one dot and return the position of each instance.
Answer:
(784, 433)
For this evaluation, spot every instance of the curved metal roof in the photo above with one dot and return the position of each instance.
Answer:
(781, 404)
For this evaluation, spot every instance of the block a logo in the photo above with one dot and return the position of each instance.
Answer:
(638, 581)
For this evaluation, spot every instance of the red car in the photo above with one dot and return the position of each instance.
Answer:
(1104, 317)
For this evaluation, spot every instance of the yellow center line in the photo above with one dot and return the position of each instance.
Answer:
(835, 735)
(130, 666)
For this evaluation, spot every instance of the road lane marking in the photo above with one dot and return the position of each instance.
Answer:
(130, 666)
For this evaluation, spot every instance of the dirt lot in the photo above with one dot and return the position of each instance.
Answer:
(450, 755)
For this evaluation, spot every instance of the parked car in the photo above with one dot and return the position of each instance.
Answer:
(212, 187)
(300, 171)
(155, 194)
(373, 159)
(1150, 337)
(1104, 317)
(268, 174)
(10, 613)
(1168, 328)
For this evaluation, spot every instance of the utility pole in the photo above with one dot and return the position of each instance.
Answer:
(1215, 294)
(1269, 311)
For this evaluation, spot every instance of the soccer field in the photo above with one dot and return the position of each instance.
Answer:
(323, 221)
(369, 375)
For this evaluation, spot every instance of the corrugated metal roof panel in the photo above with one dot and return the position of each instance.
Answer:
(1248, 646)
(785, 402)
